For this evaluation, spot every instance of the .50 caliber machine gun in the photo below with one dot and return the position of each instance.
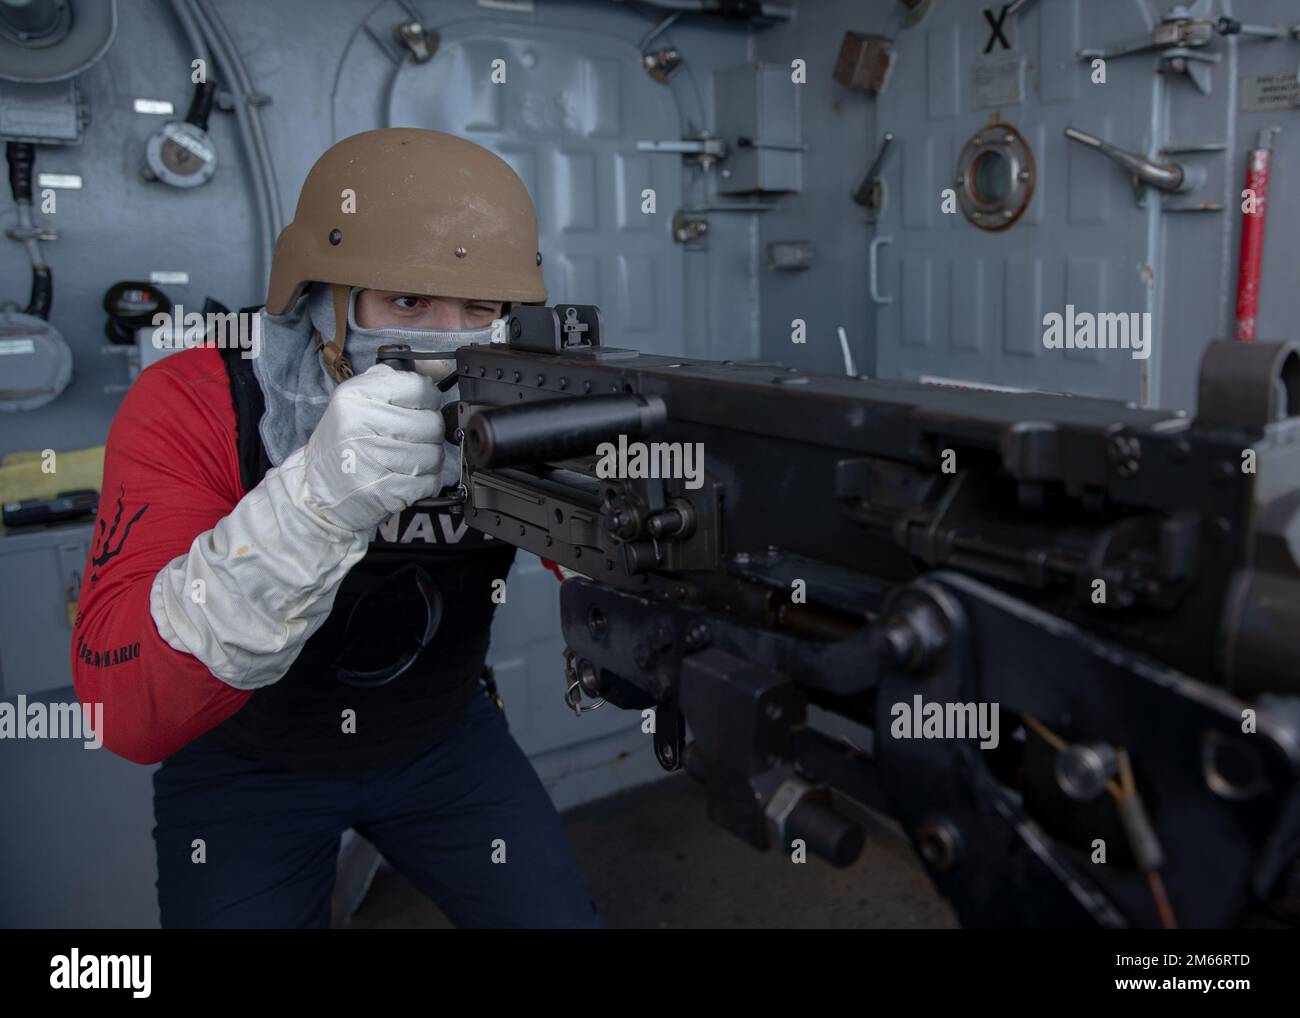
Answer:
(1116, 589)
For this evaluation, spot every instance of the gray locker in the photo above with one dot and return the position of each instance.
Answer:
(42, 579)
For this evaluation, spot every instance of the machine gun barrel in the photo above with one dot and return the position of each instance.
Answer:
(557, 429)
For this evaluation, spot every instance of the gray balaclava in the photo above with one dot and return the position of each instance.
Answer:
(295, 385)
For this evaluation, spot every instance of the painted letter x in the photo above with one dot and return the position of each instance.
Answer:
(996, 25)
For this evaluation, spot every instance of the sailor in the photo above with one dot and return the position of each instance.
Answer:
(311, 634)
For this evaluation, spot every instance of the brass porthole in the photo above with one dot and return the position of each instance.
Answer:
(995, 177)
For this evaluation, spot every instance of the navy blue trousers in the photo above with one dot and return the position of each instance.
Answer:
(468, 822)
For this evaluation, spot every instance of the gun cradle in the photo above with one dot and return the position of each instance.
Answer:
(1110, 578)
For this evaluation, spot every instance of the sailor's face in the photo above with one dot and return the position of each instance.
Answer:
(377, 309)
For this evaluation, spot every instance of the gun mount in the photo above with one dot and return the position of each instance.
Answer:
(1119, 586)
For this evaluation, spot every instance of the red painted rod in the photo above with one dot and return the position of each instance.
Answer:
(1253, 219)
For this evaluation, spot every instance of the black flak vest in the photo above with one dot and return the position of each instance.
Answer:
(302, 721)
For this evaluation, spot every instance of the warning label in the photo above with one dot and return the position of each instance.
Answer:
(1264, 92)
(999, 82)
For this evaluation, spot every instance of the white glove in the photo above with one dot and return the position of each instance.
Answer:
(377, 449)
(246, 613)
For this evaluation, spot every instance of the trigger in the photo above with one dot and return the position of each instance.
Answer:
(450, 424)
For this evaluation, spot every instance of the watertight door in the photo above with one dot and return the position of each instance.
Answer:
(978, 104)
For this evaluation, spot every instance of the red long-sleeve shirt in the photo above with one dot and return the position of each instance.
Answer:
(171, 471)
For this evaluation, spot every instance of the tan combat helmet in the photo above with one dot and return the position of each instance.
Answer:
(413, 211)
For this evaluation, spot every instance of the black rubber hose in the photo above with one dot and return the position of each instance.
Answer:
(21, 156)
(42, 292)
(205, 93)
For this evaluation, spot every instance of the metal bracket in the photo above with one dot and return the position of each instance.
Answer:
(659, 64)
(421, 42)
(686, 230)
(385, 24)
(42, 113)
(25, 233)
(704, 150)
(870, 192)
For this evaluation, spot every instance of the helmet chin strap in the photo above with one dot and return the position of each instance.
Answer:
(336, 361)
